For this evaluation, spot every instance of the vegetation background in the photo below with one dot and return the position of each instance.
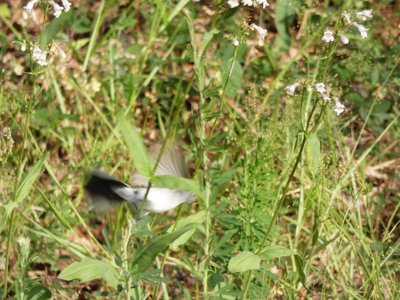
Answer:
(293, 201)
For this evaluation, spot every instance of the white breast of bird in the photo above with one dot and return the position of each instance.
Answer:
(160, 199)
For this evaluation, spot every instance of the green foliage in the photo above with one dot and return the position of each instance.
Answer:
(272, 252)
(90, 269)
(137, 150)
(27, 183)
(283, 22)
(291, 199)
(244, 261)
(144, 259)
(313, 153)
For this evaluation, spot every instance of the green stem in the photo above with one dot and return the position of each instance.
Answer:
(284, 193)
(166, 254)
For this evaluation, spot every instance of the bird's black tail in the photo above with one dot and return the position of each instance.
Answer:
(102, 186)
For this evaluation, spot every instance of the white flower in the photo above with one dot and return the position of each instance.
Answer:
(320, 87)
(36, 52)
(66, 4)
(233, 3)
(346, 17)
(261, 31)
(29, 6)
(361, 29)
(291, 89)
(365, 14)
(344, 39)
(326, 98)
(264, 3)
(23, 47)
(339, 107)
(247, 2)
(235, 42)
(39, 56)
(57, 9)
(328, 36)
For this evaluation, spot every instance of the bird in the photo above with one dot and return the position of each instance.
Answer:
(142, 197)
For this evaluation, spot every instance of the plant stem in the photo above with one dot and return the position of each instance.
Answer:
(284, 193)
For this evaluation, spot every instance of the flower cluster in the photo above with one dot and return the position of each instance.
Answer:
(39, 56)
(323, 91)
(236, 3)
(57, 9)
(363, 15)
(262, 33)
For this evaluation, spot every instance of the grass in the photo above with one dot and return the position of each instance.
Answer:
(293, 201)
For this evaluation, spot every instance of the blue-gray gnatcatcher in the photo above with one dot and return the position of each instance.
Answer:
(103, 187)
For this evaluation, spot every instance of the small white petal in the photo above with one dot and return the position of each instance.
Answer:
(247, 2)
(29, 6)
(57, 9)
(365, 14)
(320, 88)
(344, 39)
(326, 98)
(39, 56)
(291, 89)
(36, 52)
(42, 59)
(261, 31)
(328, 36)
(235, 42)
(66, 4)
(339, 107)
(361, 29)
(233, 3)
(264, 3)
(346, 17)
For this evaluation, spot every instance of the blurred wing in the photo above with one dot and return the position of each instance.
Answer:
(162, 199)
(171, 163)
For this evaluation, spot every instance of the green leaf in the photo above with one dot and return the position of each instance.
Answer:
(89, 269)
(29, 180)
(313, 153)
(57, 25)
(178, 183)
(196, 219)
(135, 49)
(232, 77)
(6, 213)
(37, 292)
(244, 261)
(147, 254)
(181, 4)
(283, 20)
(300, 269)
(137, 150)
(272, 252)
(208, 36)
